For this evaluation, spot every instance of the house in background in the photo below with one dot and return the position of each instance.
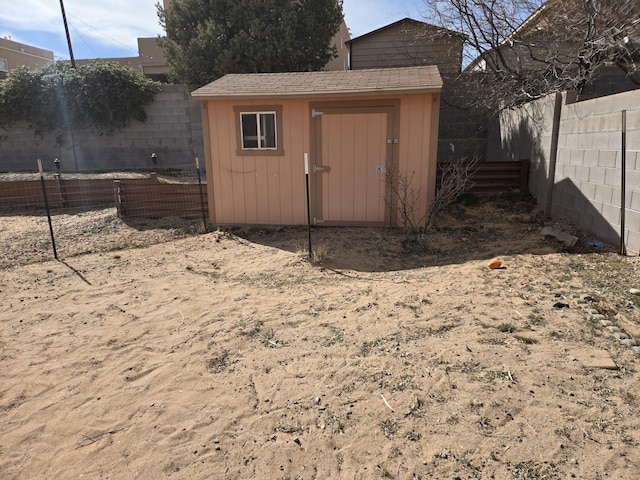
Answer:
(150, 60)
(359, 129)
(551, 32)
(15, 54)
(408, 43)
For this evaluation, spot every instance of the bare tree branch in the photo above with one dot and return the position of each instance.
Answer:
(456, 180)
(526, 49)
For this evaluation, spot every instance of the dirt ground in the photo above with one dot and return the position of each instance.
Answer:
(148, 351)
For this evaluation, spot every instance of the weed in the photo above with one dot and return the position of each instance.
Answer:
(367, 346)
(452, 419)
(531, 470)
(525, 340)
(337, 336)
(626, 438)
(484, 424)
(493, 341)
(389, 428)
(506, 328)
(288, 428)
(536, 320)
(319, 253)
(415, 408)
(412, 436)
(384, 470)
(563, 432)
(219, 362)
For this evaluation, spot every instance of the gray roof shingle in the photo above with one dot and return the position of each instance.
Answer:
(323, 84)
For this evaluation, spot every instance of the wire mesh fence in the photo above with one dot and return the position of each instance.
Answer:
(91, 211)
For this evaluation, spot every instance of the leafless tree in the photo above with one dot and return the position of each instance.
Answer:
(406, 199)
(456, 179)
(517, 51)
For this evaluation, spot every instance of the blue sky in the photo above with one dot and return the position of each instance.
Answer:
(103, 29)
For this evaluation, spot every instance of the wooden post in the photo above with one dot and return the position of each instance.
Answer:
(61, 193)
(117, 197)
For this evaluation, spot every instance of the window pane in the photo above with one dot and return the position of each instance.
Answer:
(249, 130)
(268, 130)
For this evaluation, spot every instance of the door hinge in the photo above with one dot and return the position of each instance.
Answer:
(316, 113)
(317, 220)
(324, 168)
(391, 141)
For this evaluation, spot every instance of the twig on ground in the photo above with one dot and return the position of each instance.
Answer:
(270, 342)
(386, 403)
(89, 439)
(528, 425)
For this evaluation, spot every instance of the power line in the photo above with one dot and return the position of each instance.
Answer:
(128, 47)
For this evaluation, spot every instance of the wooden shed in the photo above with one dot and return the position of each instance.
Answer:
(360, 130)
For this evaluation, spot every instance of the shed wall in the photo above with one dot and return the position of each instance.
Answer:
(270, 190)
(257, 189)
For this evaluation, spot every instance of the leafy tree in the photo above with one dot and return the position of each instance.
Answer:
(531, 48)
(206, 39)
(102, 96)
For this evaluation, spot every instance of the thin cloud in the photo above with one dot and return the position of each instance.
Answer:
(116, 23)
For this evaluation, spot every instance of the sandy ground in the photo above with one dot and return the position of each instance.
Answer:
(229, 355)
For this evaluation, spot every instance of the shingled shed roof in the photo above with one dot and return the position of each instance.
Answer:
(323, 84)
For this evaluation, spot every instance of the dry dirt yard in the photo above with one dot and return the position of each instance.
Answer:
(149, 352)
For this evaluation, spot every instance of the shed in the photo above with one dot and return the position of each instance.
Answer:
(361, 130)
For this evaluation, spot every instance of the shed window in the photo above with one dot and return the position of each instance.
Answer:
(259, 130)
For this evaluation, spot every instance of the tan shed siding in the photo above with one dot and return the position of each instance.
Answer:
(415, 145)
(258, 189)
(222, 139)
(291, 178)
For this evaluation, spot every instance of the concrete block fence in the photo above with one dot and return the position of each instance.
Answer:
(173, 131)
(580, 169)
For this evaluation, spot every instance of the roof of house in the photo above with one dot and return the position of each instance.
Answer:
(405, 21)
(323, 84)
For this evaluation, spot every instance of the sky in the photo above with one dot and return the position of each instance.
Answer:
(106, 29)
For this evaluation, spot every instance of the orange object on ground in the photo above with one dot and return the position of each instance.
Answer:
(495, 263)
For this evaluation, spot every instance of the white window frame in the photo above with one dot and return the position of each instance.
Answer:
(261, 136)
(256, 110)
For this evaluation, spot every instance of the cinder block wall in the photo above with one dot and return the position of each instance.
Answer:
(173, 131)
(588, 175)
(587, 183)
(526, 132)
